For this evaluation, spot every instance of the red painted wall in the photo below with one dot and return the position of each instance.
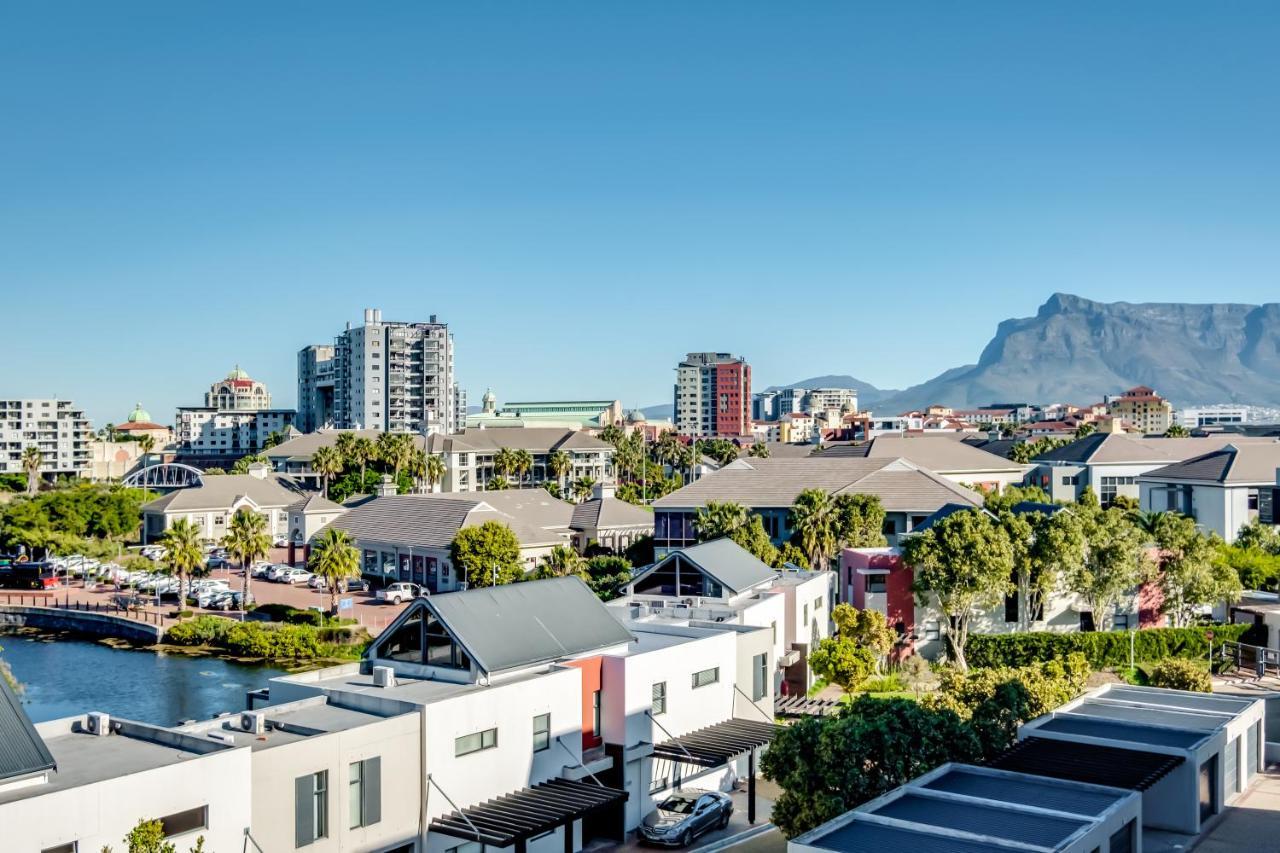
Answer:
(733, 383)
(1150, 600)
(900, 604)
(591, 669)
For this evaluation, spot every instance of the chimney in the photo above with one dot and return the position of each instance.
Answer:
(600, 491)
(387, 486)
(384, 676)
(259, 470)
(368, 316)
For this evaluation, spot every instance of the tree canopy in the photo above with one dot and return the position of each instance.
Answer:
(481, 551)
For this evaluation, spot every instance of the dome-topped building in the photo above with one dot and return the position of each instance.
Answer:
(139, 424)
(238, 393)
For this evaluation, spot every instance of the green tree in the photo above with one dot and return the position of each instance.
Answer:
(606, 575)
(582, 488)
(327, 462)
(1010, 496)
(791, 553)
(434, 470)
(1179, 674)
(1191, 575)
(1176, 431)
(1086, 429)
(334, 557)
(561, 562)
(497, 484)
(504, 462)
(394, 449)
(146, 444)
(965, 561)
(859, 521)
(718, 519)
(32, 459)
(1114, 564)
(183, 552)
(612, 434)
(274, 439)
(148, 837)
(522, 464)
(1262, 537)
(1255, 567)
(759, 450)
(559, 464)
(917, 675)
(842, 662)
(815, 525)
(483, 551)
(751, 537)
(362, 451)
(246, 540)
(722, 450)
(867, 628)
(243, 463)
(345, 445)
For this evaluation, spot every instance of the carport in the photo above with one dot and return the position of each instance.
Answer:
(717, 745)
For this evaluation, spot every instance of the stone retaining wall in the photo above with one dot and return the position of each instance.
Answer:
(84, 622)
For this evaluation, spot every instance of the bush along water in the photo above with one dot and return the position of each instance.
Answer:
(267, 639)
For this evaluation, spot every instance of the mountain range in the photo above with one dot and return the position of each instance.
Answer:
(1076, 350)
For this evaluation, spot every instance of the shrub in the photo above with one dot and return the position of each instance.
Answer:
(201, 631)
(1178, 674)
(305, 617)
(255, 639)
(274, 612)
(1100, 648)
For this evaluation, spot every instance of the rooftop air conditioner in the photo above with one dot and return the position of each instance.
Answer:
(99, 723)
(384, 676)
(253, 722)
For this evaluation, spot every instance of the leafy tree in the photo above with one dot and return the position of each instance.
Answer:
(827, 766)
(335, 558)
(751, 537)
(480, 551)
(1047, 548)
(722, 450)
(1255, 567)
(612, 434)
(917, 675)
(32, 459)
(522, 464)
(146, 444)
(859, 521)
(1114, 564)
(327, 462)
(843, 662)
(148, 837)
(867, 628)
(555, 491)
(1086, 429)
(183, 552)
(497, 484)
(1190, 575)
(1010, 496)
(246, 540)
(561, 562)
(965, 560)
(274, 439)
(1176, 431)
(759, 450)
(816, 525)
(640, 551)
(607, 574)
(790, 553)
(394, 449)
(718, 519)
(215, 471)
(504, 462)
(1180, 674)
(582, 488)
(1257, 535)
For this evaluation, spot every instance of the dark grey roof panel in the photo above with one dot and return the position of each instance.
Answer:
(980, 819)
(22, 752)
(1071, 724)
(1027, 791)
(860, 837)
(1172, 718)
(522, 624)
(1193, 701)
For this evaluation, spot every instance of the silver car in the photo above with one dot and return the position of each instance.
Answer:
(684, 815)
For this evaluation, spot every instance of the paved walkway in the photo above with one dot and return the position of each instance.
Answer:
(1251, 823)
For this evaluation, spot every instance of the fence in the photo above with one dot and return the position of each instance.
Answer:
(1256, 659)
(36, 599)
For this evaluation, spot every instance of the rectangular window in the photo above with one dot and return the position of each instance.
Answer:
(311, 807)
(659, 705)
(759, 677)
(706, 676)
(595, 713)
(876, 583)
(806, 615)
(541, 732)
(475, 742)
(69, 847)
(188, 821)
(932, 631)
(364, 792)
(817, 604)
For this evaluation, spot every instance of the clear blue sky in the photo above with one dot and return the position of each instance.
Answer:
(585, 191)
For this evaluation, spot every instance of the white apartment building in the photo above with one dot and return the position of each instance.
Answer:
(238, 392)
(1194, 417)
(227, 433)
(1222, 490)
(383, 375)
(56, 427)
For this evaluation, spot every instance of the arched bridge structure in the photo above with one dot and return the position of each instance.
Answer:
(167, 475)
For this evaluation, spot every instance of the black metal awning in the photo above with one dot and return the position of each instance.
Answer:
(1085, 762)
(517, 817)
(800, 705)
(717, 745)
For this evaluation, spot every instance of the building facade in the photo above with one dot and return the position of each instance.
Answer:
(1143, 408)
(58, 429)
(315, 387)
(238, 392)
(226, 434)
(713, 395)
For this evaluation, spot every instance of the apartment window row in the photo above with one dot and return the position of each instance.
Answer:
(172, 825)
(311, 800)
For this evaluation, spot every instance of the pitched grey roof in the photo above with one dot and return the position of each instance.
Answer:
(316, 503)
(532, 439)
(522, 624)
(723, 559)
(609, 512)
(1242, 464)
(222, 490)
(22, 752)
(1115, 448)
(944, 455)
(900, 485)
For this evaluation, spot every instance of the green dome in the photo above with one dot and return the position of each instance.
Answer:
(139, 415)
(237, 373)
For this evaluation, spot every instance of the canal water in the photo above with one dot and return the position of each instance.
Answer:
(66, 677)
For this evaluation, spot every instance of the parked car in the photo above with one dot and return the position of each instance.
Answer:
(402, 591)
(218, 563)
(684, 815)
(259, 569)
(294, 576)
(280, 542)
(229, 601)
(274, 573)
(357, 585)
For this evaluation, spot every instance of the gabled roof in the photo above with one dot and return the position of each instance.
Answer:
(1115, 448)
(222, 490)
(316, 503)
(22, 752)
(609, 512)
(944, 512)
(522, 624)
(943, 455)
(1245, 464)
(758, 483)
(722, 559)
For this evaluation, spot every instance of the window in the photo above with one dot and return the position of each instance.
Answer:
(311, 807)
(69, 847)
(932, 631)
(817, 604)
(364, 792)
(1110, 488)
(188, 821)
(1253, 500)
(1120, 622)
(759, 677)
(806, 614)
(876, 583)
(659, 705)
(475, 742)
(541, 732)
(1068, 479)
(890, 527)
(706, 676)
(595, 713)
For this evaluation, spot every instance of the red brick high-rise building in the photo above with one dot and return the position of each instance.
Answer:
(713, 396)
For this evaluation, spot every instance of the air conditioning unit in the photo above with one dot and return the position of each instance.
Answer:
(99, 723)
(384, 676)
(253, 722)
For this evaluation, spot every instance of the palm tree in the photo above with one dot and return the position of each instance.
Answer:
(1176, 431)
(363, 451)
(718, 519)
(328, 464)
(1085, 429)
(759, 450)
(559, 464)
(335, 558)
(394, 449)
(497, 484)
(345, 444)
(582, 488)
(416, 466)
(434, 472)
(32, 459)
(815, 522)
(146, 444)
(522, 460)
(246, 540)
(183, 553)
(504, 462)
(561, 562)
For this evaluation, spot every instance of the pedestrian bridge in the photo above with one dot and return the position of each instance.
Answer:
(167, 475)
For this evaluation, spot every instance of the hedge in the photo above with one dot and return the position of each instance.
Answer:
(1100, 648)
(265, 639)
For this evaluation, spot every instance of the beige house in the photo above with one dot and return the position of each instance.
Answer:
(308, 515)
(1144, 408)
(210, 506)
(606, 520)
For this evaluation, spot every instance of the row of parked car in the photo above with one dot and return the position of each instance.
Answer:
(284, 573)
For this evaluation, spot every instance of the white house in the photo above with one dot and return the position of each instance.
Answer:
(210, 505)
(1222, 490)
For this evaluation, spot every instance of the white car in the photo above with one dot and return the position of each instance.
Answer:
(281, 542)
(318, 582)
(295, 576)
(274, 573)
(402, 591)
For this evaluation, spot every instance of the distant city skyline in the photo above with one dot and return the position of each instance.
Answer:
(585, 194)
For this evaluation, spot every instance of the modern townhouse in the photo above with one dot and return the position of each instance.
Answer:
(1110, 463)
(211, 504)
(56, 428)
(1223, 490)
(909, 493)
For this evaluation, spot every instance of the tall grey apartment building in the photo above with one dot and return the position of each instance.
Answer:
(381, 375)
(56, 427)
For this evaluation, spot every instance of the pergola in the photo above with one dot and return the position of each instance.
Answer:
(799, 705)
(717, 745)
(1096, 764)
(514, 818)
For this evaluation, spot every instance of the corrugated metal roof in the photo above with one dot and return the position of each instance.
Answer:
(1095, 764)
(982, 819)
(22, 752)
(1074, 724)
(1026, 790)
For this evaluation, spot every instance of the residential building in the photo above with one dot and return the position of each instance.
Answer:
(768, 487)
(218, 437)
(608, 522)
(469, 455)
(713, 395)
(961, 808)
(386, 375)
(139, 424)
(948, 456)
(210, 505)
(58, 429)
(1223, 490)
(113, 460)
(315, 387)
(764, 406)
(1144, 408)
(237, 393)
(1223, 414)
(562, 414)
(774, 404)
(829, 399)
(650, 430)
(1110, 463)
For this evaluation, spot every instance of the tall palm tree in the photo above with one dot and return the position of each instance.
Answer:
(363, 451)
(146, 444)
(719, 518)
(32, 459)
(345, 443)
(559, 463)
(435, 471)
(394, 449)
(582, 488)
(504, 462)
(416, 466)
(183, 553)
(246, 540)
(522, 460)
(561, 562)
(326, 462)
(334, 557)
(815, 522)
